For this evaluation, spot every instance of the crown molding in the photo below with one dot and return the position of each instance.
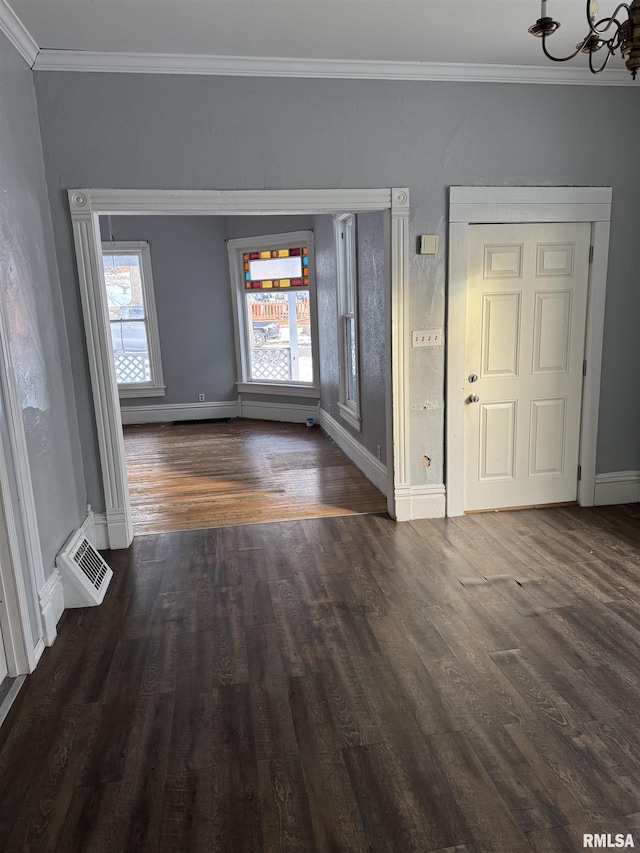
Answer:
(17, 33)
(245, 66)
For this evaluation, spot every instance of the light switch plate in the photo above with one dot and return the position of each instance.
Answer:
(428, 244)
(426, 338)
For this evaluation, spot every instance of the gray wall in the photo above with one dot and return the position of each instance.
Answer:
(190, 269)
(193, 301)
(372, 286)
(146, 131)
(30, 292)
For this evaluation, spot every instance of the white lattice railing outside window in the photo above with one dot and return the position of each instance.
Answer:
(131, 369)
(271, 364)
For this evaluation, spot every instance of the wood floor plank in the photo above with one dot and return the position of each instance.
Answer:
(485, 816)
(404, 800)
(284, 804)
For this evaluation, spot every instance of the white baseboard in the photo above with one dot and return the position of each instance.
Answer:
(38, 651)
(278, 411)
(119, 533)
(179, 412)
(100, 539)
(372, 468)
(51, 605)
(619, 487)
(420, 502)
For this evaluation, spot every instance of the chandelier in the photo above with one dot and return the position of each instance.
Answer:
(620, 31)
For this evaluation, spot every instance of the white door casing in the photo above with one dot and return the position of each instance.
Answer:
(480, 205)
(525, 328)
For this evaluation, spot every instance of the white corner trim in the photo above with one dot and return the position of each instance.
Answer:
(285, 412)
(51, 605)
(619, 487)
(179, 412)
(420, 502)
(17, 33)
(373, 469)
(344, 69)
(100, 532)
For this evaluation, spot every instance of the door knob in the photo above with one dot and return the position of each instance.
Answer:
(473, 398)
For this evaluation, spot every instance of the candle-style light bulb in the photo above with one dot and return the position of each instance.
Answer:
(543, 9)
(593, 9)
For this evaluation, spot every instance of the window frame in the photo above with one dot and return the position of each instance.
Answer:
(236, 248)
(347, 307)
(155, 387)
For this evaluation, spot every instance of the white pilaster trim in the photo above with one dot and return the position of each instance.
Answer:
(86, 233)
(414, 502)
(343, 69)
(618, 487)
(373, 469)
(51, 605)
(167, 413)
(469, 205)
(17, 33)
(400, 339)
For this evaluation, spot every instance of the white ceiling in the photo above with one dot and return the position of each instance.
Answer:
(477, 32)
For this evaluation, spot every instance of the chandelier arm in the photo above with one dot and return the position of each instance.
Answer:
(561, 58)
(602, 67)
(610, 21)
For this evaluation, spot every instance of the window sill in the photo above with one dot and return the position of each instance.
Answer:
(352, 418)
(140, 391)
(288, 390)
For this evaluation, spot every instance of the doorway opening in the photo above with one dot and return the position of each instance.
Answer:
(118, 522)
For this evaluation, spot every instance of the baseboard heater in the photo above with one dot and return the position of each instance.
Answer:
(85, 574)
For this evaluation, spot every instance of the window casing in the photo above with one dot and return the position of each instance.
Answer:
(133, 323)
(348, 337)
(273, 289)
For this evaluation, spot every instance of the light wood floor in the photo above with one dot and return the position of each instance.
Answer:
(240, 472)
(341, 685)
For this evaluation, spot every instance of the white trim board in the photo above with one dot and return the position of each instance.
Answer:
(619, 487)
(470, 205)
(17, 33)
(51, 605)
(162, 414)
(285, 412)
(373, 469)
(343, 69)
(86, 207)
(426, 501)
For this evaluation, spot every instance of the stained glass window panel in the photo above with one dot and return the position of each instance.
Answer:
(275, 268)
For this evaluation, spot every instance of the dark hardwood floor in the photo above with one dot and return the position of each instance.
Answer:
(239, 472)
(342, 685)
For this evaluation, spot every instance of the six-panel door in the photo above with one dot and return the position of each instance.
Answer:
(526, 313)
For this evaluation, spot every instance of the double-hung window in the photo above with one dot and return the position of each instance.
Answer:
(347, 296)
(274, 306)
(135, 342)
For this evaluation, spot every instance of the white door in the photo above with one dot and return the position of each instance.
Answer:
(526, 315)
